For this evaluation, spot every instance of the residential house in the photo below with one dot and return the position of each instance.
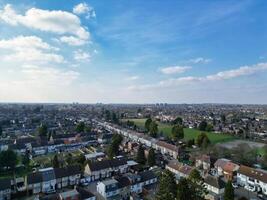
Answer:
(69, 195)
(226, 168)
(85, 194)
(108, 189)
(180, 170)
(215, 186)
(48, 180)
(105, 168)
(203, 162)
(166, 148)
(253, 178)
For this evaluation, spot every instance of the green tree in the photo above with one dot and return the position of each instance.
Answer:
(177, 121)
(69, 159)
(202, 126)
(140, 157)
(113, 148)
(203, 140)
(8, 159)
(153, 129)
(197, 187)
(55, 162)
(147, 124)
(43, 130)
(177, 132)
(183, 190)
(229, 191)
(80, 127)
(167, 186)
(26, 159)
(151, 159)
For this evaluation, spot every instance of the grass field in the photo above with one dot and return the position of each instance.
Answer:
(188, 133)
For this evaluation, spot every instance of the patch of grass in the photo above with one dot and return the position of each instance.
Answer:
(188, 132)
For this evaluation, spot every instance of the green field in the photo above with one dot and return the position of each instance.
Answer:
(188, 132)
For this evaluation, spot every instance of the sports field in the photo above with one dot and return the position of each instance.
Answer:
(188, 132)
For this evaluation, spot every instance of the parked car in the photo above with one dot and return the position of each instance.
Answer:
(235, 185)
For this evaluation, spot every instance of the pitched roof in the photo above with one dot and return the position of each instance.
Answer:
(147, 175)
(183, 168)
(221, 162)
(214, 181)
(204, 158)
(167, 146)
(104, 164)
(123, 181)
(84, 193)
(68, 171)
(253, 173)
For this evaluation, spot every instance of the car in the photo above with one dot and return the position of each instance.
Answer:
(234, 185)
(260, 196)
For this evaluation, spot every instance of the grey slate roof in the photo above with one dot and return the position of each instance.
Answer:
(215, 182)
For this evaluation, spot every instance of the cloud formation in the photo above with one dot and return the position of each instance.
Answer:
(29, 49)
(84, 8)
(55, 21)
(200, 60)
(175, 69)
(223, 75)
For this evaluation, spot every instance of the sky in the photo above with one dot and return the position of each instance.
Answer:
(121, 51)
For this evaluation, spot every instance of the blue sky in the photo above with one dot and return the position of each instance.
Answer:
(138, 51)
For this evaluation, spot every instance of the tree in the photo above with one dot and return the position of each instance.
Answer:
(113, 148)
(177, 132)
(195, 176)
(177, 121)
(209, 127)
(140, 157)
(223, 118)
(183, 190)
(153, 129)
(167, 186)
(202, 126)
(55, 162)
(203, 140)
(197, 187)
(147, 124)
(80, 127)
(151, 159)
(229, 191)
(26, 159)
(69, 159)
(43, 130)
(8, 159)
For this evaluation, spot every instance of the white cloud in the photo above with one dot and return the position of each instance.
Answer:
(132, 78)
(84, 8)
(43, 76)
(73, 41)
(175, 69)
(29, 49)
(80, 55)
(200, 60)
(55, 21)
(223, 75)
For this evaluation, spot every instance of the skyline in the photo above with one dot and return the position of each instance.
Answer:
(140, 52)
